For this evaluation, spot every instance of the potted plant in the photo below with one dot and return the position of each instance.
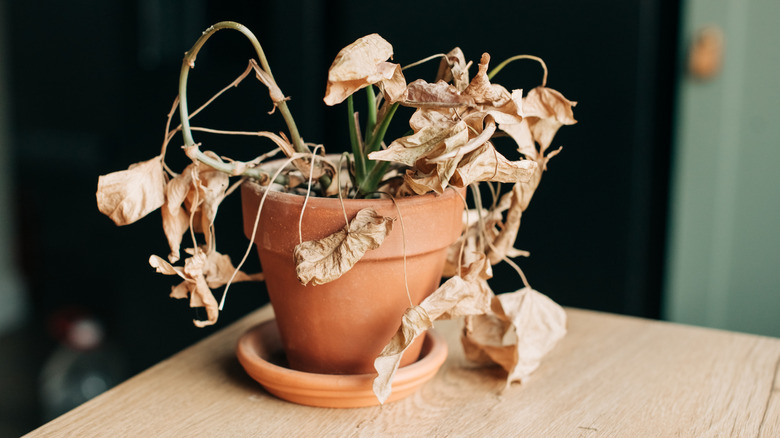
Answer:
(321, 221)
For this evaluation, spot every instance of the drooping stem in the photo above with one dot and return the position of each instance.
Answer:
(189, 62)
(499, 67)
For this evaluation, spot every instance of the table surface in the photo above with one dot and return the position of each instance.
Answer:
(610, 376)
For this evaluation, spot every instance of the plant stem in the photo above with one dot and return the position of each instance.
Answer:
(499, 67)
(357, 152)
(376, 139)
(189, 62)
(371, 113)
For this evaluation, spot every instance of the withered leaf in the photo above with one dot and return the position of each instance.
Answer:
(458, 296)
(547, 110)
(324, 260)
(128, 195)
(421, 94)
(487, 164)
(195, 193)
(360, 64)
(521, 329)
(202, 272)
(414, 322)
(411, 149)
(455, 69)
(482, 90)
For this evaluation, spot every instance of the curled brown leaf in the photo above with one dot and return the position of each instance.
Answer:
(202, 271)
(128, 195)
(362, 63)
(521, 329)
(324, 260)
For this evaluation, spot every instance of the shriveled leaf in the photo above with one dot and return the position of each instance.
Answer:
(456, 297)
(487, 164)
(467, 294)
(360, 64)
(414, 322)
(163, 267)
(193, 196)
(128, 195)
(547, 110)
(421, 94)
(324, 260)
(521, 329)
(394, 87)
(219, 270)
(413, 148)
(482, 91)
(201, 272)
(453, 68)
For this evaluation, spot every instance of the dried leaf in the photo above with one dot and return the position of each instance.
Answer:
(324, 260)
(547, 110)
(522, 328)
(429, 142)
(360, 64)
(486, 164)
(458, 296)
(421, 94)
(201, 273)
(197, 192)
(414, 322)
(128, 195)
(453, 68)
(482, 90)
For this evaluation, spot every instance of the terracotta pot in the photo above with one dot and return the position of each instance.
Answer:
(341, 327)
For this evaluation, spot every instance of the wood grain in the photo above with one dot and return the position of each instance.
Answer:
(610, 376)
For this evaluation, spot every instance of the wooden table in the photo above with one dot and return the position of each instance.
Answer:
(610, 376)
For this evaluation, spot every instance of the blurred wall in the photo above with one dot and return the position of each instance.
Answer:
(724, 263)
(13, 298)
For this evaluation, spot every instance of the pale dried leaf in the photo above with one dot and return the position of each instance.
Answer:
(547, 110)
(456, 297)
(163, 267)
(414, 322)
(175, 219)
(324, 260)
(219, 269)
(453, 68)
(467, 294)
(482, 91)
(394, 87)
(522, 328)
(487, 164)
(128, 195)
(421, 94)
(358, 65)
(201, 273)
(411, 149)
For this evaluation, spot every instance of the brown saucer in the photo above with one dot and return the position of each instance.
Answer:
(260, 352)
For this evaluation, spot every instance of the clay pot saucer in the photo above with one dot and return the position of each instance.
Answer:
(260, 352)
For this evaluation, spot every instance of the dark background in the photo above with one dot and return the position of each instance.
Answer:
(92, 82)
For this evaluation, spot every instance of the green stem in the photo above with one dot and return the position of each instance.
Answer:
(189, 62)
(374, 177)
(371, 113)
(506, 62)
(376, 139)
(360, 159)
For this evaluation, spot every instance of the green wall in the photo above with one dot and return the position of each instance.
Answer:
(723, 264)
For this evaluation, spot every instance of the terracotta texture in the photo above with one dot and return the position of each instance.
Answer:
(260, 353)
(341, 327)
